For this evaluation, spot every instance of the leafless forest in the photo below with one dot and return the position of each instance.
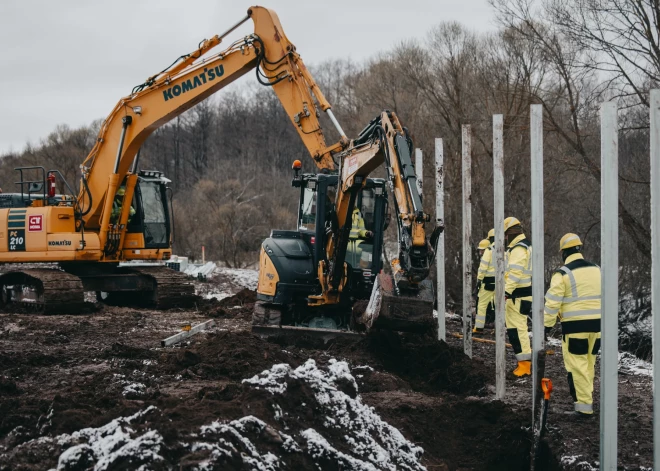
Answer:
(229, 158)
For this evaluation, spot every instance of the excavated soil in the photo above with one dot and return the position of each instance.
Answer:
(60, 374)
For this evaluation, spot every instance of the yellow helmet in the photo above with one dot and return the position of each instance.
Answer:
(484, 244)
(510, 222)
(121, 191)
(491, 233)
(568, 241)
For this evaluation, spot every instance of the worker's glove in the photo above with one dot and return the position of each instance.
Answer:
(507, 296)
(369, 234)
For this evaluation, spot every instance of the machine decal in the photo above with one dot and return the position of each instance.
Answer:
(36, 223)
(16, 230)
(351, 165)
(59, 243)
(17, 240)
(208, 74)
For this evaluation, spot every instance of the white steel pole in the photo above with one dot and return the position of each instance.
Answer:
(609, 214)
(498, 254)
(419, 170)
(439, 222)
(467, 240)
(538, 341)
(655, 267)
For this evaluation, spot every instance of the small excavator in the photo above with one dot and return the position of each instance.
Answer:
(121, 213)
(311, 279)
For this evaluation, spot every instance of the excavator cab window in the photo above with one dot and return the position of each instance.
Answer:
(366, 203)
(308, 209)
(152, 213)
(155, 220)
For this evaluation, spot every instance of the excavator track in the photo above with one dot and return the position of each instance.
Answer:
(173, 288)
(42, 291)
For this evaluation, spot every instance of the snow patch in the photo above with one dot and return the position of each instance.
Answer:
(577, 462)
(243, 277)
(134, 390)
(319, 448)
(115, 442)
(377, 444)
(630, 364)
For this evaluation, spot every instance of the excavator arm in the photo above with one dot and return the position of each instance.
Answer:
(192, 78)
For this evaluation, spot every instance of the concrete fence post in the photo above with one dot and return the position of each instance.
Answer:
(609, 199)
(440, 251)
(538, 279)
(498, 255)
(468, 304)
(655, 267)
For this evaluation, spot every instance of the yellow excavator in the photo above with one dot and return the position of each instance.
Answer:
(311, 278)
(121, 213)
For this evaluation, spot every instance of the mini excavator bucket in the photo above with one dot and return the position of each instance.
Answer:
(405, 311)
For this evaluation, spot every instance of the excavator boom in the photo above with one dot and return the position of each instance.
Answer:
(100, 223)
(193, 78)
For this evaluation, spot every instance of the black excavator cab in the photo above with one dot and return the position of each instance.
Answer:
(316, 216)
(293, 256)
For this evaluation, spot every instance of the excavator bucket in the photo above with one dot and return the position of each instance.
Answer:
(410, 310)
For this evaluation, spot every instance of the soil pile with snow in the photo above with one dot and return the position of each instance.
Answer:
(302, 418)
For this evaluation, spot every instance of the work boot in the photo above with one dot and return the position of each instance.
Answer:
(579, 415)
(477, 330)
(524, 368)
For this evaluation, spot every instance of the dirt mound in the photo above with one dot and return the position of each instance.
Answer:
(238, 306)
(334, 429)
(428, 365)
(227, 355)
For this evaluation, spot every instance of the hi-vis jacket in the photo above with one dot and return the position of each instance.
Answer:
(487, 270)
(574, 295)
(518, 275)
(358, 230)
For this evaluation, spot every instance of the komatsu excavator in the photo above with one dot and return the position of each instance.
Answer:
(121, 214)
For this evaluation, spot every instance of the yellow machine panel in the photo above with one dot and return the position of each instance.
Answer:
(268, 277)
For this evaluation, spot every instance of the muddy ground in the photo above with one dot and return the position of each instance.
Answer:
(59, 374)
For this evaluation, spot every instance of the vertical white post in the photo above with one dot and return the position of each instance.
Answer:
(655, 267)
(538, 341)
(439, 222)
(467, 240)
(498, 254)
(419, 169)
(609, 216)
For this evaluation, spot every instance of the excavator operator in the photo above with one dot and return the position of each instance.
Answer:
(116, 206)
(357, 236)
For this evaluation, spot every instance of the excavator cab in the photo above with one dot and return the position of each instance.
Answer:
(150, 210)
(289, 259)
(316, 216)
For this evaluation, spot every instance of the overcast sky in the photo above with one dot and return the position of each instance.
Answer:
(70, 61)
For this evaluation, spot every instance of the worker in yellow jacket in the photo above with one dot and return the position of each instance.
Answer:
(358, 230)
(518, 293)
(356, 237)
(574, 296)
(485, 282)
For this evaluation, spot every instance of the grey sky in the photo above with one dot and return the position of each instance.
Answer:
(69, 61)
